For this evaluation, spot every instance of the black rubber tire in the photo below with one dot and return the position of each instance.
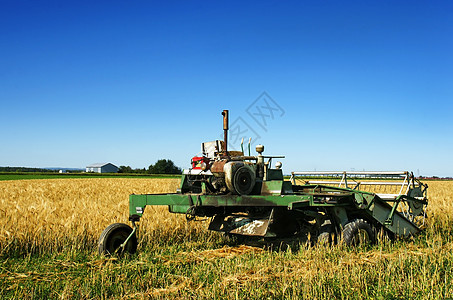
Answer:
(113, 236)
(244, 180)
(326, 236)
(358, 232)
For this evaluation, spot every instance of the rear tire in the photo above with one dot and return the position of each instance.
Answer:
(358, 233)
(326, 236)
(113, 237)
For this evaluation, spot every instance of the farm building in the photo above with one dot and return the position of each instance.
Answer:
(102, 168)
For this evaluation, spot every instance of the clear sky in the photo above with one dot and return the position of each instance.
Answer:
(349, 84)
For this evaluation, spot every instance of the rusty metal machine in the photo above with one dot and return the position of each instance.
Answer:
(248, 196)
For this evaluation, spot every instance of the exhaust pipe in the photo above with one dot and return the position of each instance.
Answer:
(225, 130)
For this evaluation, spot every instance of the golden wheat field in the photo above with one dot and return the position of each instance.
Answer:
(51, 213)
(41, 217)
(48, 214)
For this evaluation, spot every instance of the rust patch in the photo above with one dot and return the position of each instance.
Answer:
(217, 168)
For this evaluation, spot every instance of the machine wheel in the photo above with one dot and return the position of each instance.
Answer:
(326, 234)
(112, 238)
(244, 180)
(358, 232)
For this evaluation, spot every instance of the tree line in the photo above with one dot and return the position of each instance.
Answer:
(162, 166)
(25, 169)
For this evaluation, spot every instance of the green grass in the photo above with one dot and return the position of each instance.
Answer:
(202, 265)
(186, 271)
(39, 175)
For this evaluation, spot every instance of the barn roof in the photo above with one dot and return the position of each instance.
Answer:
(99, 165)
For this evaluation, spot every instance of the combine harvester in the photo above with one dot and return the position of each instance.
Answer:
(245, 197)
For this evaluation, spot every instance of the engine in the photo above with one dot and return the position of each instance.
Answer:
(219, 171)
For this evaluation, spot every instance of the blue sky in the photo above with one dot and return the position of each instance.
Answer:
(361, 84)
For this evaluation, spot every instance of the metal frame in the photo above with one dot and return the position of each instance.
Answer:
(402, 202)
(341, 203)
(406, 180)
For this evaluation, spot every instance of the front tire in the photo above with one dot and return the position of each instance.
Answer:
(358, 232)
(113, 237)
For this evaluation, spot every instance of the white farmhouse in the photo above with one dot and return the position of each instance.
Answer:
(102, 168)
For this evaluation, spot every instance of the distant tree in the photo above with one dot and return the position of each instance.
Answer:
(124, 169)
(164, 166)
(25, 169)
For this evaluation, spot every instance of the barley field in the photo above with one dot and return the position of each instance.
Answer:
(49, 231)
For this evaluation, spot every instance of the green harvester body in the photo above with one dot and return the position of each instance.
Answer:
(244, 196)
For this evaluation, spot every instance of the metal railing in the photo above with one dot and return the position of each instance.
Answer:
(387, 185)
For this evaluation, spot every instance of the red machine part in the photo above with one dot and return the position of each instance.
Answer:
(200, 163)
